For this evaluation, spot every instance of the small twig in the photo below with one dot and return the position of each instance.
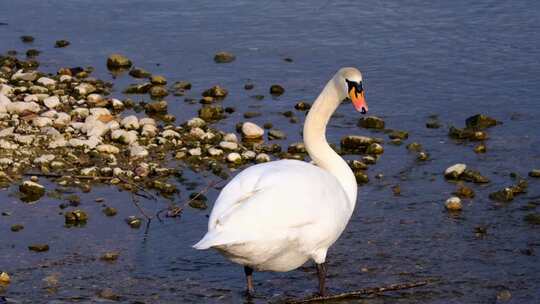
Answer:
(136, 203)
(360, 292)
(178, 210)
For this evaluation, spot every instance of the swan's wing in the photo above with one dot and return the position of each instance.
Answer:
(273, 200)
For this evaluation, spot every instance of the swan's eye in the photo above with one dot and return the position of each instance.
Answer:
(353, 85)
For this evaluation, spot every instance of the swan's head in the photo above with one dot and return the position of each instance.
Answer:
(350, 80)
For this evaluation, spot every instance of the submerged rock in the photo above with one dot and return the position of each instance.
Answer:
(534, 173)
(464, 192)
(224, 57)
(532, 218)
(371, 122)
(453, 204)
(32, 189)
(61, 43)
(133, 222)
(356, 143)
(455, 171)
(276, 90)
(480, 121)
(4, 278)
(39, 247)
(75, 217)
(504, 195)
(117, 61)
(276, 134)
(216, 92)
(138, 72)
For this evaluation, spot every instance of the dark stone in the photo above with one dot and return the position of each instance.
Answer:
(32, 53)
(277, 90)
(397, 134)
(117, 61)
(464, 192)
(433, 124)
(39, 247)
(27, 38)
(276, 134)
(216, 92)
(110, 211)
(61, 43)
(156, 107)
(252, 114)
(211, 112)
(504, 195)
(224, 57)
(473, 176)
(302, 106)
(532, 218)
(480, 121)
(142, 88)
(137, 72)
(249, 86)
(17, 227)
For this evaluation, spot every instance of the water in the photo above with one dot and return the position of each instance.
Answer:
(419, 58)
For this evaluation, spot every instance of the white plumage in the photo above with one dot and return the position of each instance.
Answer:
(275, 216)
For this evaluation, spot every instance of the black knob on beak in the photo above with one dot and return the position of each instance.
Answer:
(363, 110)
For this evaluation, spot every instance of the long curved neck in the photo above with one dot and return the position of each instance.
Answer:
(317, 146)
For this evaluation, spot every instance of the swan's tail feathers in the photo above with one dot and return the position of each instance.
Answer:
(205, 242)
(215, 239)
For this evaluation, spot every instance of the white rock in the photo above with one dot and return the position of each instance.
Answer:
(106, 148)
(5, 161)
(90, 143)
(6, 89)
(41, 122)
(94, 98)
(252, 131)
(80, 112)
(20, 107)
(84, 89)
(117, 104)
(123, 136)
(50, 114)
(90, 171)
(112, 125)
(170, 134)
(234, 158)
(20, 75)
(147, 121)
(227, 145)
(50, 131)
(58, 142)
(215, 152)
(230, 137)
(7, 131)
(44, 159)
(46, 82)
(262, 158)
(455, 170)
(249, 155)
(31, 97)
(62, 119)
(453, 204)
(118, 171)
(138, 151)
(196, 122)
(94, 127)
(99, 111)
(51, 102)
(66, 78)
(4, 101)
(149, 130)
(4, 144)
(130, 122)
(195, 152)
(197, 133)
(24, 139)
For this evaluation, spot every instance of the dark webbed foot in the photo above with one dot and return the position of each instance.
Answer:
(321, 273)
(250, 291)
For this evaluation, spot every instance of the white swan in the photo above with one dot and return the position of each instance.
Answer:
(277, 215)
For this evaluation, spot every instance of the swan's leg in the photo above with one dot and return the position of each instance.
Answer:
(321, 272)
(249, 280)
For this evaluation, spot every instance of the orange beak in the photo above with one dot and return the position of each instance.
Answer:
(358, 100)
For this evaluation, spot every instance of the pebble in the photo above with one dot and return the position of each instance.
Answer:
(51, 102)
(480, 121)
(224, 57)
(107, 148)
(44, 159)
(534, 173)
(215, 152)
(481, 148)
(251, 131)
(133, 222)
(234, 158)
(262, 158)
(228, 145)
(195, 152)
(216, 92)
(4, 278)
(76, 217)
(276, 90)
(249, 155)
(138, 72)
(453, 204)
(61, 43)
(32, 188)
(130, 122)
(16, 227)
(455, 171)
(38, 247)
(110, 256)
(137, 151)
(158, 80)
(196, 122)
(276, 134)
(19, 107)
(302, 106)
(109, 211)
(397, 134)
(375, 148)
(464, 192)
